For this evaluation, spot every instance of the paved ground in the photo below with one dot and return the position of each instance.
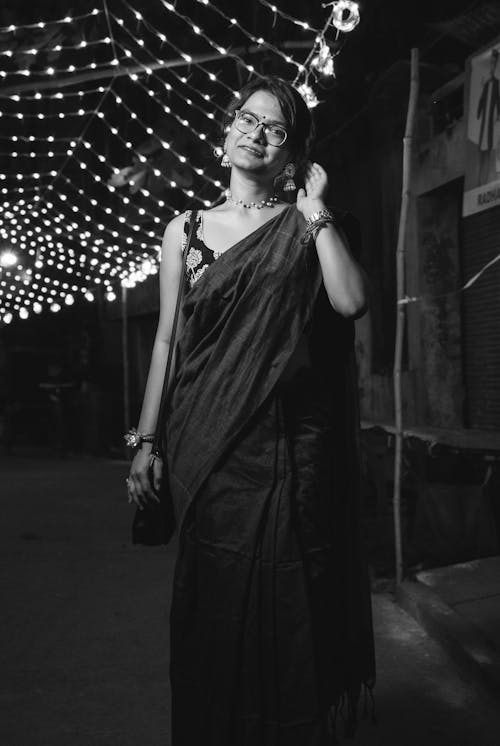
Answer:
(84, 628)
(472, 589)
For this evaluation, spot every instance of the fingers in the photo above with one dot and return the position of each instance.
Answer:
(315, 180)
(133, 494)
(314, 173)
(147, 492)
(314, 167)
(140, 490)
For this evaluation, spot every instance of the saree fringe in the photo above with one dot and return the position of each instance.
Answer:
(348, 708)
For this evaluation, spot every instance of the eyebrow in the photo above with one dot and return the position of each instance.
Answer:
(267, 121)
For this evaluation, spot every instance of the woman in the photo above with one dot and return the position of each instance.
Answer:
(270, 620)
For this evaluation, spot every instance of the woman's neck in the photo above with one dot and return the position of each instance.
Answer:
(250, 190)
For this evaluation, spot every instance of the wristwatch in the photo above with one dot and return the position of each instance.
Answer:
(135, 439)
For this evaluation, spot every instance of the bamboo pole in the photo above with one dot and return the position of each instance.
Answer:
(401, 310)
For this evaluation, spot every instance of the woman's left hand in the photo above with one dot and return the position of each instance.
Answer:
(312, 198)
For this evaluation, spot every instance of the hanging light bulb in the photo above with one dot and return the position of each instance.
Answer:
(323, 62)
(308, 95)
(340, 20)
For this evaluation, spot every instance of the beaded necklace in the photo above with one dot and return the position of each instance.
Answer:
(267, 202)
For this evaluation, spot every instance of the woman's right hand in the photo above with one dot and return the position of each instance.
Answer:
(140, 489)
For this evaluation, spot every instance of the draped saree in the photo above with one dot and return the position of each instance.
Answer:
(270, 618)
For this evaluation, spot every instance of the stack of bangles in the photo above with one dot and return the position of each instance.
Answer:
(315, 222)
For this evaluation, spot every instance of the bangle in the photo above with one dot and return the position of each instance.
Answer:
(323, 214)
(135, 439)
(315, 222)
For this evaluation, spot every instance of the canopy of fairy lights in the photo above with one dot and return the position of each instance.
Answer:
(109, 125)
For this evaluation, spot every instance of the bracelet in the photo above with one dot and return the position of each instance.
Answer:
(315, 222)
(135, 439)
(323, 214)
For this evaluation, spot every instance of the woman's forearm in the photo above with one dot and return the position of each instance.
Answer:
(154, 387)
(344, 280)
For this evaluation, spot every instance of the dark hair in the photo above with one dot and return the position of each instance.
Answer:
(298, 119)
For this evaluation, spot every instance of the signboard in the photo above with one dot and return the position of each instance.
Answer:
(482, 109)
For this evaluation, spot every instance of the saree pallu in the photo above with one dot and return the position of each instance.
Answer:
(270, 618)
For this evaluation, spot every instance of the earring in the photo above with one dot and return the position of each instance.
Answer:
(225, 162)
(288, 174)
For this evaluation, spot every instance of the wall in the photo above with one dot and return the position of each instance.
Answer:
(432, 381)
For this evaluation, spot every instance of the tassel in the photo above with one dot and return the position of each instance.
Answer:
(289, 173)
(225, 162)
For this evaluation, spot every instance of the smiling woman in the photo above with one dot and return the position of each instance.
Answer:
(270, 621)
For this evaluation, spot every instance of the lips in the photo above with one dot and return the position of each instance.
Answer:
(253, 151)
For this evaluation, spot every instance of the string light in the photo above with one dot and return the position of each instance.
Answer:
(69, 226)
(165, 40)
(257, 40)
(184, 122)
(180, 78)
(74, 236)
(223, 52)
(54, 71)
(42, 24)
(167, 146)
(57, 48)
(320, 58)
(52, 96)
(277, 11)
(34, 138)
(40, 115)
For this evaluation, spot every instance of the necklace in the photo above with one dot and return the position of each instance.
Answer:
(267, 202)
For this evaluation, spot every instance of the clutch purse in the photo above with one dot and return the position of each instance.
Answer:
(155, 524)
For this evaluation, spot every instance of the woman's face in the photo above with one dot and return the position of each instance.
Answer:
(251, 151)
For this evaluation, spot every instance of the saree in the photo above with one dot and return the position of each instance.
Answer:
(270, 623)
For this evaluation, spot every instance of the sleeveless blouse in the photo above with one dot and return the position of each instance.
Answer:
(199, 256)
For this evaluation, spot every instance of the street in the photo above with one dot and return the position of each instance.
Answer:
(84, 627)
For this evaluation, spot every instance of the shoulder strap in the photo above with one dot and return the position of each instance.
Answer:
(155, 450)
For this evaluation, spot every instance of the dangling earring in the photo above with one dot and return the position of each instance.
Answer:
(288, 174)
(225, 162)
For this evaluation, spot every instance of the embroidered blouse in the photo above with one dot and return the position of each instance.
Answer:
(199, 256)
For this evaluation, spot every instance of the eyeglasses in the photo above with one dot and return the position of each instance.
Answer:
(246, 122)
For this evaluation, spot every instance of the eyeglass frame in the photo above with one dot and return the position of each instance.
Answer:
(259, 122)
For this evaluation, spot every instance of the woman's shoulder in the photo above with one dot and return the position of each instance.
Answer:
(174, 230)
(177, 224)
